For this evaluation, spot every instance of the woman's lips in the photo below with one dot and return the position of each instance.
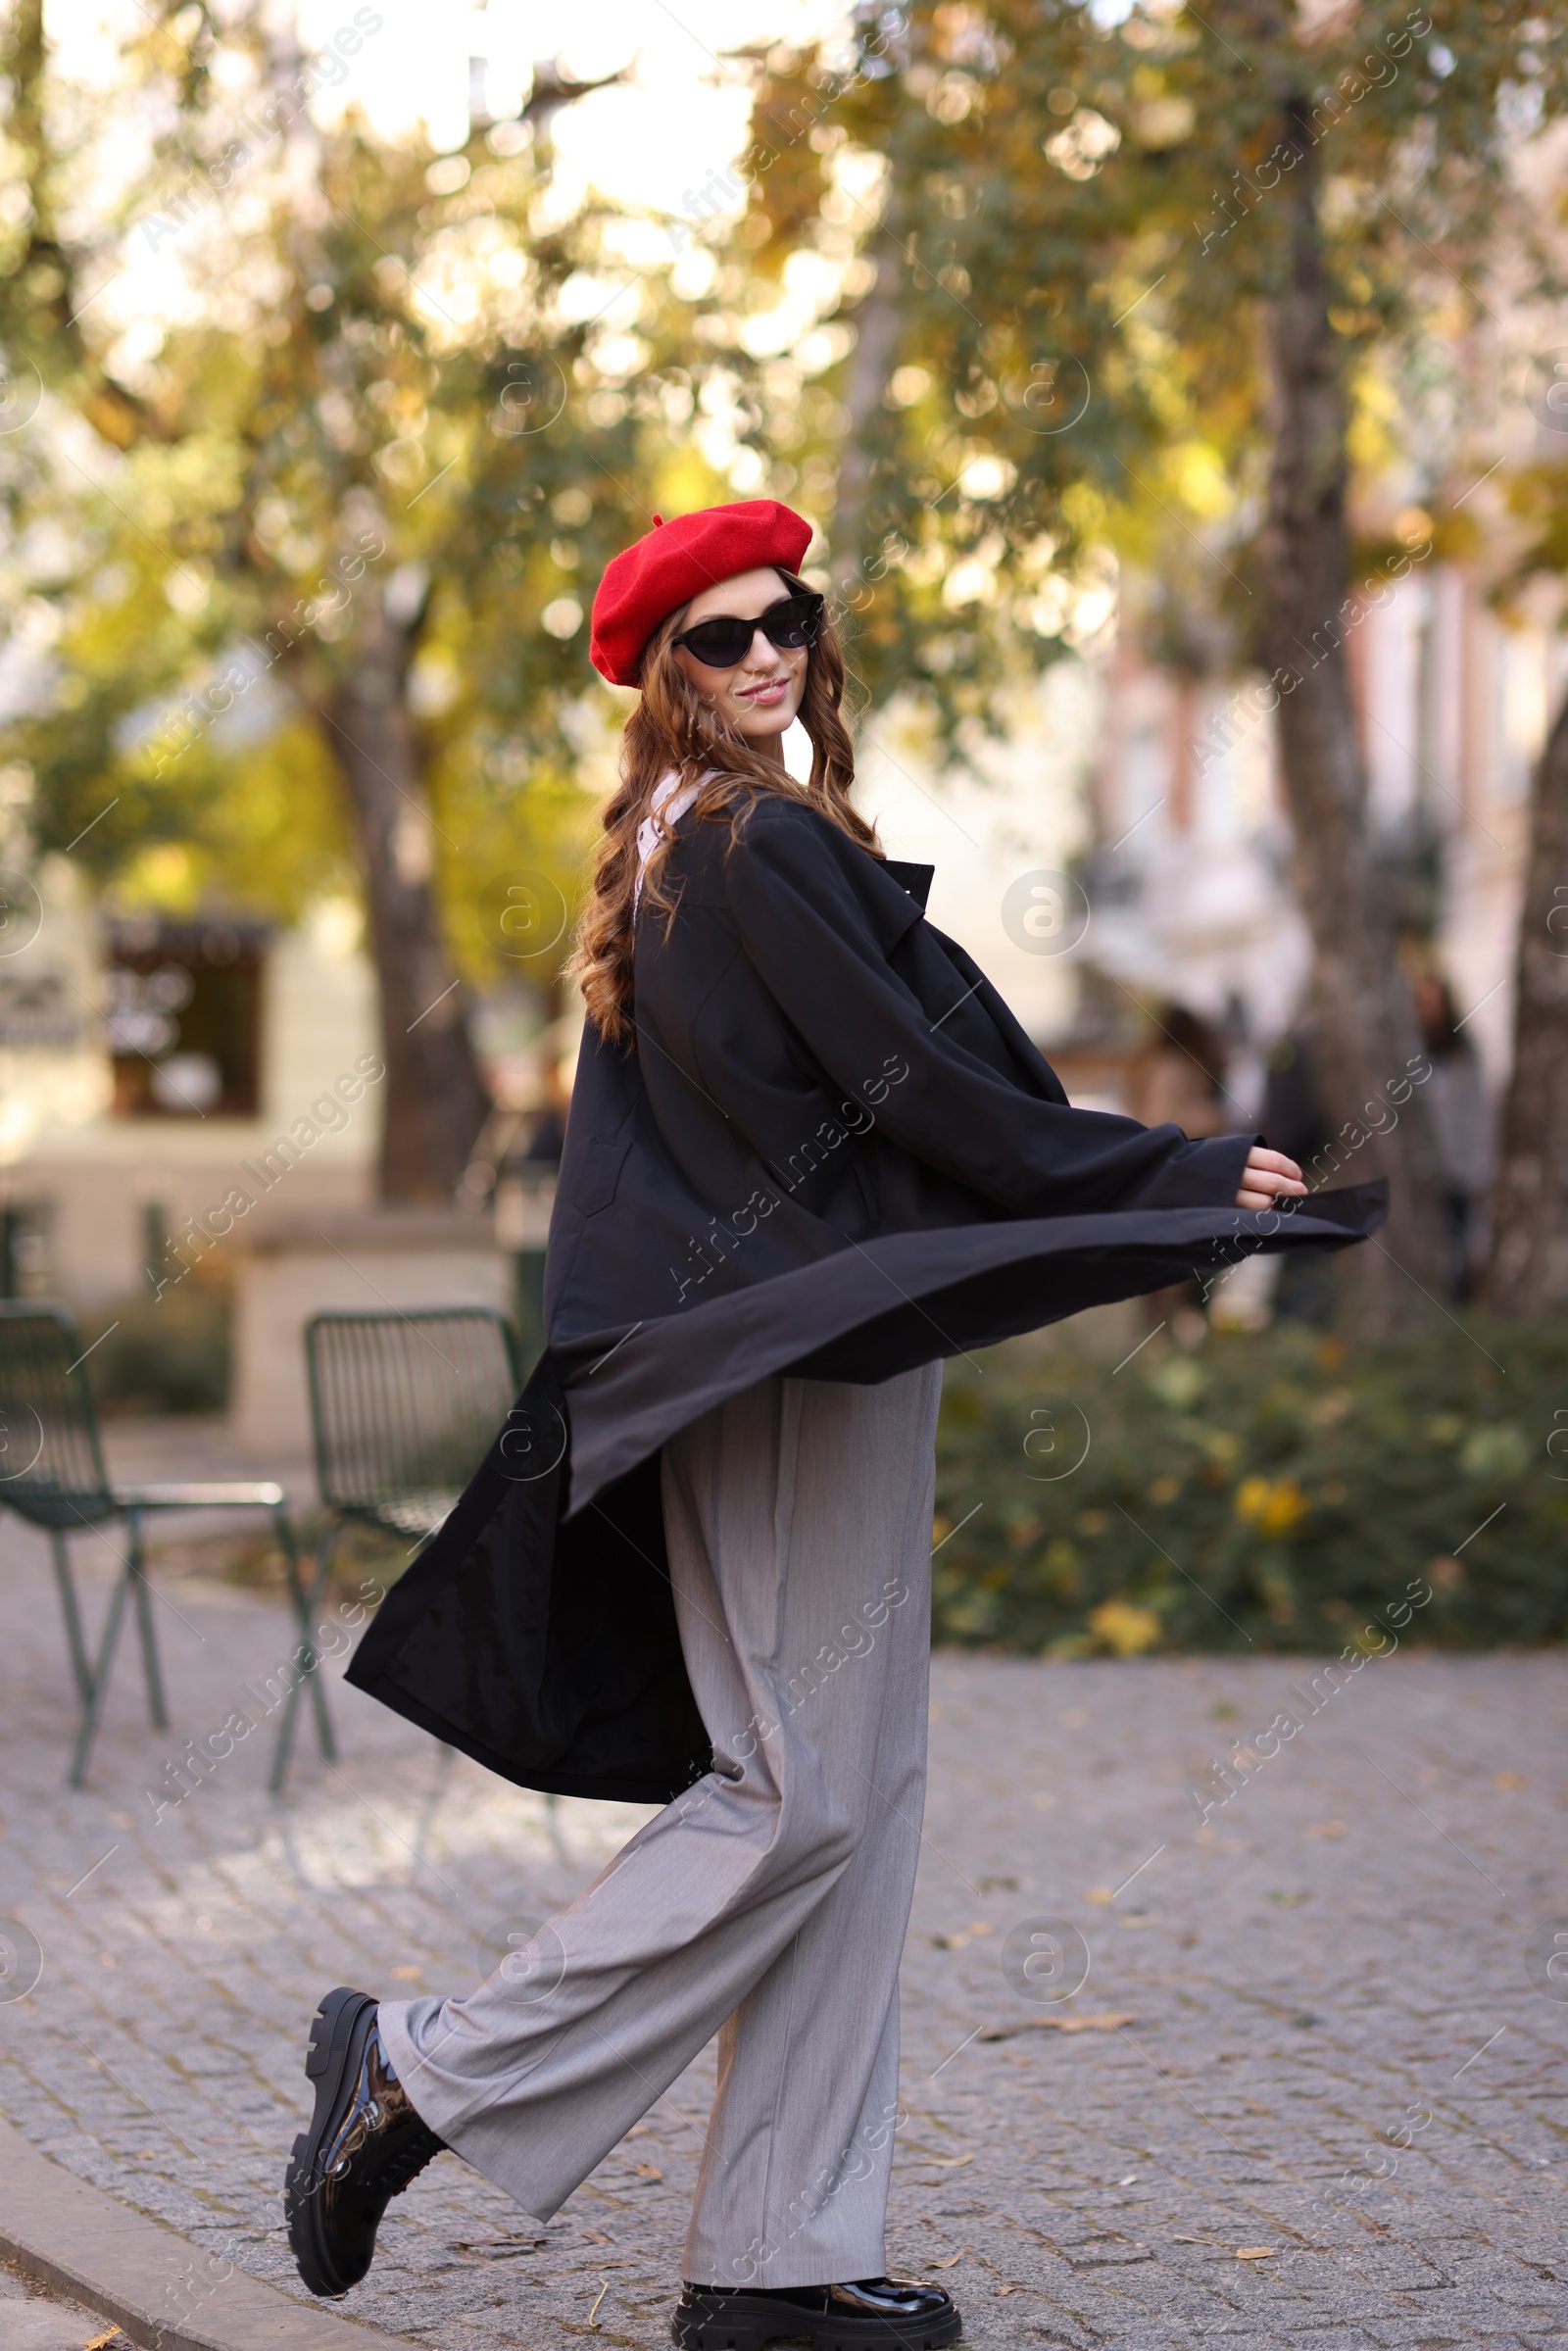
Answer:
(765, 695)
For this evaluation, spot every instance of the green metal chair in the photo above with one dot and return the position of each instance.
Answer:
(52, 1474)
(404, 1407)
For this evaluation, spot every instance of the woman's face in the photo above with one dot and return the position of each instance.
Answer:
(761, 695)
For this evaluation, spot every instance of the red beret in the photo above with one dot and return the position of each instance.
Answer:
(674, 562)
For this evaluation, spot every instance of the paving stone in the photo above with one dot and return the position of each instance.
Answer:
(1435, 2330)
(1398, 2269)
(1320, 1971)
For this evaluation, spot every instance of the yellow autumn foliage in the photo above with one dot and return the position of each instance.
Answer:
(1124, 1627)
(1273, 1506)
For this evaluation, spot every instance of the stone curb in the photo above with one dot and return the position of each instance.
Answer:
(154, 2284)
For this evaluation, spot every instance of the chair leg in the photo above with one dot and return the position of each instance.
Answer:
(307, 1603)
(304, 1602)
(311, 1601)
(99, 1671)
(144, 1627)
(73, 1616)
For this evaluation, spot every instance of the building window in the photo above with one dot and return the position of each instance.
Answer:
(184, 1020)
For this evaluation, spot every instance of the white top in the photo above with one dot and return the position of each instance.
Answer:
(666, 805)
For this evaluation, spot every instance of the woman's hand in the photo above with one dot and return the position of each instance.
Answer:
(1268, 1177)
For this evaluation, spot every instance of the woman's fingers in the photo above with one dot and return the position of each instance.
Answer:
(1264, 1162)
(1269, 1176)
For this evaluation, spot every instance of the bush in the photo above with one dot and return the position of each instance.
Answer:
(1268, 1490)
(172, 1356)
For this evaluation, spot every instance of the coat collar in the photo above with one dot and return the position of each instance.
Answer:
(916, 879)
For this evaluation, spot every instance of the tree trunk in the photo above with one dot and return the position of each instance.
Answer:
(435, 1099)
(1529, 1270)
(1365, 1036)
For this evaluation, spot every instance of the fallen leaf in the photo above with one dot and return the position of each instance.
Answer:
(100, 2341)
(948, 2259)
(406, 1975)
(1255, 2252)
(1100, 1895)
(1006, 2289)
(501, 2248)
(1105, 2022)
(649, 2171)
(1510, 1779)
(1325, 1827)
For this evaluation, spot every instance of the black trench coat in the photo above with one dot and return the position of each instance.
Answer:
(833, 1154)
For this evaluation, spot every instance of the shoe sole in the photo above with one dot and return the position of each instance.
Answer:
(339, 2031)
(747, 2323)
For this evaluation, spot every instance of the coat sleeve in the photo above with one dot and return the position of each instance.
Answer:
(804, 928)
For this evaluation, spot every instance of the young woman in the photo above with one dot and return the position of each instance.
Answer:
(810, 1154)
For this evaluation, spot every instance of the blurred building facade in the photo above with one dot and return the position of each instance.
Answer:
(149, 1068)
(1190, 869)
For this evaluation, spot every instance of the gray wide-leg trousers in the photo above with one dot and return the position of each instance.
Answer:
(769, 1903)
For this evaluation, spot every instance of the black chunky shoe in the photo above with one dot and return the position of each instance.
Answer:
(364, 2146)
(873, 2314)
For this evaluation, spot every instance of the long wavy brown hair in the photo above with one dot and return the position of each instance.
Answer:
(672, 730)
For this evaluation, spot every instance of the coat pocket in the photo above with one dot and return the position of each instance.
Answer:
(599, 1176)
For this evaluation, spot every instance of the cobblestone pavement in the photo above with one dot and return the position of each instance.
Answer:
(1341, 1976)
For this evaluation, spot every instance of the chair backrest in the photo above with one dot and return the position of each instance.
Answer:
(51, 1467)
(405, 1406)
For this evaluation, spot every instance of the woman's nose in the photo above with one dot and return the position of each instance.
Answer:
(764, 654)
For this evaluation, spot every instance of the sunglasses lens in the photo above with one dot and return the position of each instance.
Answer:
(720, 644)
(793, 622)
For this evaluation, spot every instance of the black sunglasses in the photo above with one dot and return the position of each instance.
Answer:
(724, 642)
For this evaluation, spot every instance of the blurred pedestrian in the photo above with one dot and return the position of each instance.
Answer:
(1180, 1080)
(1466, 1130)
(549, 1137)
(1292, 1120)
